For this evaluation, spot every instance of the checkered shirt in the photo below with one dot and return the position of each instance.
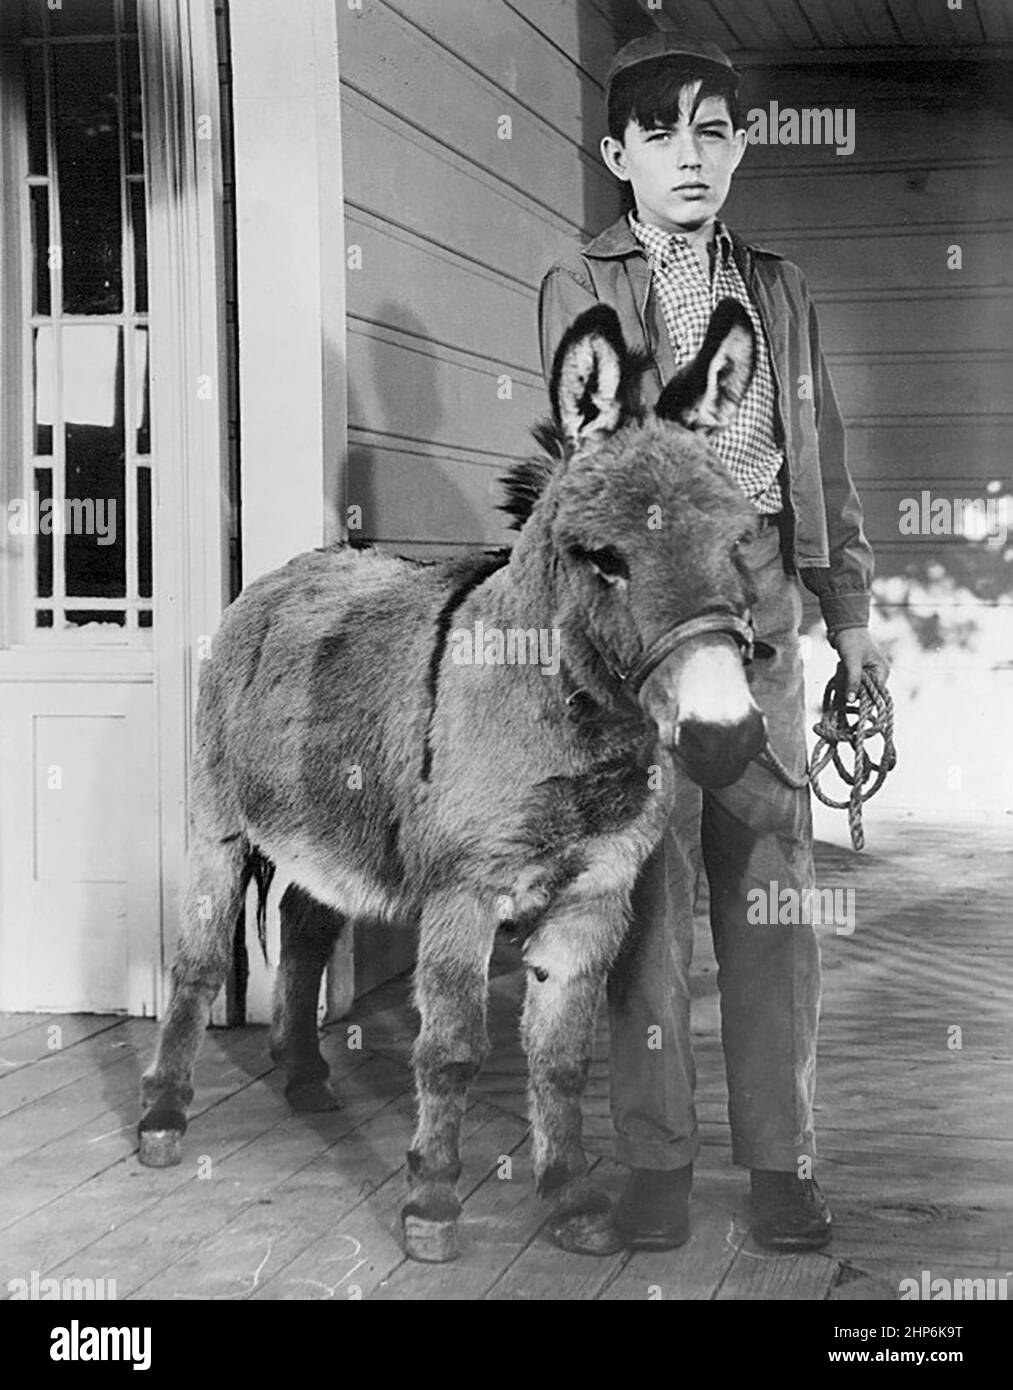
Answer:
(748, 447)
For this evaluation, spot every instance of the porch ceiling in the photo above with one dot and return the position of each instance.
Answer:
(829, 31)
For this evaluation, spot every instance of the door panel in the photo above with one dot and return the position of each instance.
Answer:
(78, 847)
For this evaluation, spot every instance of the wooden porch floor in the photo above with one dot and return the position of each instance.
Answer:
(916, 1138)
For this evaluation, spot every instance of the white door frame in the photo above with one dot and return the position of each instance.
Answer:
(290, 259)
(186, 256)
(291, 277)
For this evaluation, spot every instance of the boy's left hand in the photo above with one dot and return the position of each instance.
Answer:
(857, 650)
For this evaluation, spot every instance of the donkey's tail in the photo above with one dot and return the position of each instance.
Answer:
(260, 868)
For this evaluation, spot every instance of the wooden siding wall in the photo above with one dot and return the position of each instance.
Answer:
(456, 227)
(920, 355)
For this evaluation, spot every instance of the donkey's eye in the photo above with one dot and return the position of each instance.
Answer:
(607, 561)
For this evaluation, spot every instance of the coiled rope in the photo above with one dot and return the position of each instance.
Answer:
(869, 717)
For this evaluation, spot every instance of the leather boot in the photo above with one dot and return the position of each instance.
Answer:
(653, 1211)
(789, 1212)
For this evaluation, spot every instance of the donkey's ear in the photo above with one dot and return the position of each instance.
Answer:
(589, 376)
(708, 391)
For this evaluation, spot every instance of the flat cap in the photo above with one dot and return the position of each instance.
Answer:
(668, 44)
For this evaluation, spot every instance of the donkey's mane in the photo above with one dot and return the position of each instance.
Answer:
(525, 482)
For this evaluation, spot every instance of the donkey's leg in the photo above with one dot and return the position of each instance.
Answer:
(210, 910)
(308, 933)
(451, 985)
(567, 959)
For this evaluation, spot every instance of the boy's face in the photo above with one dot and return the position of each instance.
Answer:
(680, 174)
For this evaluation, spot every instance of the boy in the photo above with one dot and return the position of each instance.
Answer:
(675, 138)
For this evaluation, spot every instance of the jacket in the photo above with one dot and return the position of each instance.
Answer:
(825, 540)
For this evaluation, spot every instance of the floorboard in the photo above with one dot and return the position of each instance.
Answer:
(914, 1121)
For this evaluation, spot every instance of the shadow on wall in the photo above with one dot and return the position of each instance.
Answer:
(404, 493)
(404, 413)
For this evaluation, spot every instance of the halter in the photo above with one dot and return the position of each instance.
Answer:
(724, 620)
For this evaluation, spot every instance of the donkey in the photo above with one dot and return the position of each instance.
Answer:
(349, 736)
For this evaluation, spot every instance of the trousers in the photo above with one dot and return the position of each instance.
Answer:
(749, 834)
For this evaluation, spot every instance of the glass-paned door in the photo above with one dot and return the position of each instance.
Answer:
(111, 254)
(86, 502)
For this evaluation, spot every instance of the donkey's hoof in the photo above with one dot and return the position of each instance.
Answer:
(161, 1138)
(314, 1096)
(432, 1242)
(429, 1238)
(586, 1233)
(161, 1148)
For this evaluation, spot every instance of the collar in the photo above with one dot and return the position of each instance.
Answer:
(660, 244)
(618, 242)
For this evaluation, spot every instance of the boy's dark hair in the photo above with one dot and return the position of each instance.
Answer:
(649, 93)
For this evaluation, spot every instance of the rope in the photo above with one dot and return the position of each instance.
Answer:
(872, 717)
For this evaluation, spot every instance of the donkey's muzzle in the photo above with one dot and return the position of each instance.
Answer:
(715, 755)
